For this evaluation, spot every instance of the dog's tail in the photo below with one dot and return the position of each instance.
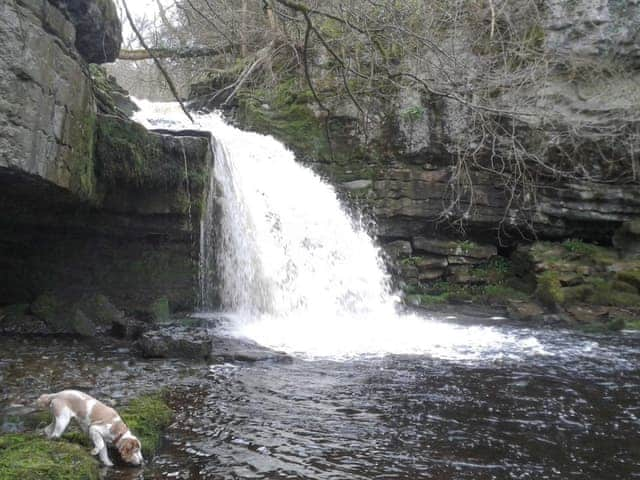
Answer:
(44, 401)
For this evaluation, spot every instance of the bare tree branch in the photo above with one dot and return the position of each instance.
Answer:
(156, 61)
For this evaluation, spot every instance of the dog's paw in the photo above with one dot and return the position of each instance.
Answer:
(95, 451)
(108, 463)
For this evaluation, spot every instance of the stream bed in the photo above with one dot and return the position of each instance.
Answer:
(568, 411)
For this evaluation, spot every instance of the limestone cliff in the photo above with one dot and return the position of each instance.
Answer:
(92, 203)
(448, 222)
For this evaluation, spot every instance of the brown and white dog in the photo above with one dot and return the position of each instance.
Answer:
(102, 424)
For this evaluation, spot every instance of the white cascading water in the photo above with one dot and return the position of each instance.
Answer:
(296, 272)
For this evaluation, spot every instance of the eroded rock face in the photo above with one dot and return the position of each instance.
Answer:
(91, 202)
(98, 28)
(47, 110)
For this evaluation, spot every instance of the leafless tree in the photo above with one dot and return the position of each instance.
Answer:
(485, 59)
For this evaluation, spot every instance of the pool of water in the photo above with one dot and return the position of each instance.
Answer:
(567, 410)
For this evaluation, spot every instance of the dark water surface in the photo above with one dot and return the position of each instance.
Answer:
(571, 414)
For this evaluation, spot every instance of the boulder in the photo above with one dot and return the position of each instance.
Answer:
(62, 317)
(100, 310)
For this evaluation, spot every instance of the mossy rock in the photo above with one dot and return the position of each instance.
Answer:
(609, 293)
(61, 316)
(633, 324)
(425, 300)
(631, 277)
(549, 290)
(147, 417)
(613, 325)
(30, 457)
(579, 293)
(501, 294)
(160, 310)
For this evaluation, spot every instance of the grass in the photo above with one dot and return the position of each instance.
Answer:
(31, 457)
(147, 416)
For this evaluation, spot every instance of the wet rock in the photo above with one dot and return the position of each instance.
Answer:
(100, 310)
(430, 274)
(16, 320)
(398, 249)
(111, 98)
(524, 311)
(454, 248)
(199, 343)
(462, 260)
(427, 262)
(357, 184)
(588, 313)
(627, 239)
(463, 274)
(225, 349)
(81, 324)
(129, 328)
(62, 317)
(176, 342)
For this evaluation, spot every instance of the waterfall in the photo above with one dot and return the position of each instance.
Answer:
(291, 267)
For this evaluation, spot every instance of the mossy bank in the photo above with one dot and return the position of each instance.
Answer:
(30, 456)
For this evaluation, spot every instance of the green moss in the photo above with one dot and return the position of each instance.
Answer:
(549, 290)
(579, 247)
(579, 293)
(631, 277)
(287, 117)
(79, 160)
(604, 293)
(495, 271)
(413, 114)
(160, 310)
(425, 300)
(620, 286)
(632, 324)
(29, 457)
(147, 416)
(126, 153)
(614, 325)
(501, 294)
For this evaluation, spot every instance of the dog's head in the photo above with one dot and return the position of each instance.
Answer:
(130, 450)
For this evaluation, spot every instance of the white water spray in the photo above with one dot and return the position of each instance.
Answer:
(295, 271)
